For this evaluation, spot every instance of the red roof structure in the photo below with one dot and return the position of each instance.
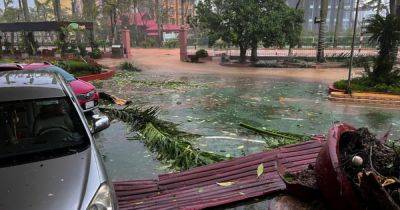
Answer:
(203, 187)
(150, 25)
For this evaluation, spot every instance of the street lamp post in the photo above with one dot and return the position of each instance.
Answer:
(352, 49)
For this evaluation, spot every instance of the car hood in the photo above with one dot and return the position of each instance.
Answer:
(51, 184)
(81, 87)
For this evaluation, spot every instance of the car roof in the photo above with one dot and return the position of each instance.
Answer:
(23, 66)
(26, 85)
(35, 66)
(10, 66)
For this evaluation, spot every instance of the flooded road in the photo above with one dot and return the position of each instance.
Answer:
(213, 105)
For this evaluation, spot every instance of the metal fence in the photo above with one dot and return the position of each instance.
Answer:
(308, 48)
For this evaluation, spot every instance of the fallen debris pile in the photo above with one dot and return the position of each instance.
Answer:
(357, 169)
(305, 177)
(373, 169)
(174, 147)
(220, 183)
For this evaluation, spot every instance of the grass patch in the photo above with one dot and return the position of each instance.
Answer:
(123, 78)
(7, 60)
(79, 68)
(129, 66)
(363, 84)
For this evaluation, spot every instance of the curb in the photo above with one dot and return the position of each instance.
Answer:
(101, 76)
(383, 99)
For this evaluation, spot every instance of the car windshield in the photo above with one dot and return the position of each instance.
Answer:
(39, 129)
(67, 76)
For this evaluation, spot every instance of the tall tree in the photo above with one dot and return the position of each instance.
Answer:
(158, 15)
(337, 22)
(299, 2)
(394, 6)
(89, 10)
(110, 8)
(57, 9)
(322, 31)
(384, 31)
(183, 12)
(25, 9)
(245, 23)
(375, 5)
(73, 8)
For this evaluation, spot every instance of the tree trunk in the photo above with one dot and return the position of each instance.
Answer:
(322, 32)
(25, 9)
(298, 3)
(254, 56)
(394, 10)
(290, 52)
(394, 7)
(57, 9)
(182, 12)
(379, 7)
(242, 58)
(88, 10)
(73, 8)
(158, 20)
(113, 17)
(337, 23)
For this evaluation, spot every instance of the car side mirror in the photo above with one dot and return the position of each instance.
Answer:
(100, 122)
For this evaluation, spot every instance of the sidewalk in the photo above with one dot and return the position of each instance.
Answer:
(167, 61)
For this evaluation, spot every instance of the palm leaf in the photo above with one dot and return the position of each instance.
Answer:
(163, 137)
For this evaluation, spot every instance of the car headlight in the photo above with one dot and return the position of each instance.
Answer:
(103, 199)
(81, 96)
(86, 96)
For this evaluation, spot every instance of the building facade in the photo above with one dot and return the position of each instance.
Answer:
(312, 9)
(173, 10)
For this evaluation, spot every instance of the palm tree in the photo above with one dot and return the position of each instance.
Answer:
(376, 5)
(384, 31)
(337, 22)
(322, 31)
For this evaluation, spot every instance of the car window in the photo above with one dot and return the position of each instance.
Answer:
(67, 76)
(39, 129)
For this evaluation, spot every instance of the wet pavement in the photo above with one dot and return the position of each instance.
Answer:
(213, 105)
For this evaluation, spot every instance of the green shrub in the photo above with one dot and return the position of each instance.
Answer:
(364, 84)
(220, 44)
(73, 66)
(172, 43)
(128, 66)
(194, 59)
(150, 42)
(96, 53)
(82, 49)
(202, 53)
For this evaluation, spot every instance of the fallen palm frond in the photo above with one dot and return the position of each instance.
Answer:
(275, 138)
(114, 99)
(164, 138)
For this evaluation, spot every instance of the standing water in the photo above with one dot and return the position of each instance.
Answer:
(214, 105)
